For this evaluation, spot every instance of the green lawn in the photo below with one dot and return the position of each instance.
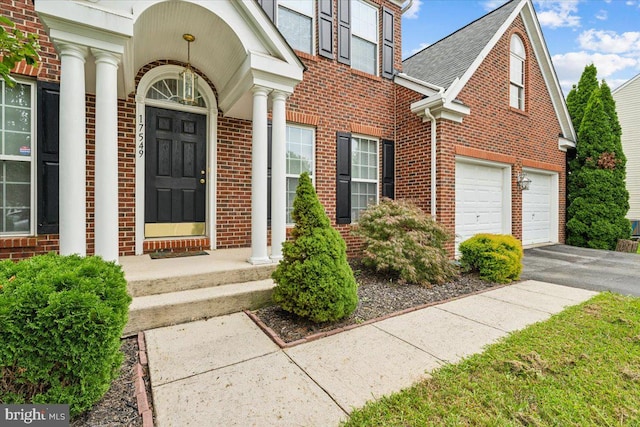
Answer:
(579, 368)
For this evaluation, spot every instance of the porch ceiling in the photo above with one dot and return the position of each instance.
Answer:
(217, 50)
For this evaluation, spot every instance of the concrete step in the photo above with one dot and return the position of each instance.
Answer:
(171, 308)
(183, 278)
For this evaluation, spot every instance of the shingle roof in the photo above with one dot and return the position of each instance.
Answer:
(450, 57)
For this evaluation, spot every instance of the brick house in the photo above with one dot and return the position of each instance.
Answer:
(481, 113)
(105, 152)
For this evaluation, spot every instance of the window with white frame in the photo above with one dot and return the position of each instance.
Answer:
(364, 37)
(300, 158)
(295, 22)
(517, 69)
(364, 175)
(16, 158)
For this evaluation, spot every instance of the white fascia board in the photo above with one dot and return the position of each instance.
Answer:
(564, 144)
(416, 85)
(267, 32)
(459, 84)
(259, 70)
(625, 84)
(548, 71)
(440, 108)
(66, 15)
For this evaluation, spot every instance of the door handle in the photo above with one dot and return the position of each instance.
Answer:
(202, 181)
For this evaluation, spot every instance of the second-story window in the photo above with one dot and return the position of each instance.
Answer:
(295, 22)
(364, 37)
(517, 69)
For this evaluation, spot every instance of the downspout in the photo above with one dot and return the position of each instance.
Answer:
(428, 114)
(406, 7)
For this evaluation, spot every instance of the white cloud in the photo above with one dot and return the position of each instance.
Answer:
(413, 11)
(492, 4)
(558, 13)
(602, 15)
(610, 41)
(569, 66)
(418, 49)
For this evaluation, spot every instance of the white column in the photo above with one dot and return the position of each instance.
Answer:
(278, 175)
(259, 178)
(73, 165)
(106, 163)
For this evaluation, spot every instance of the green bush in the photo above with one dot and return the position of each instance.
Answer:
(61, 319)
(399, 238)
(497, 257)
(314, 279)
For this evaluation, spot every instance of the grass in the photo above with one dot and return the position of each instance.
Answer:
(579, 368)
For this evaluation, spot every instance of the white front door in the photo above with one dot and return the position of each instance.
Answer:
(482, 199)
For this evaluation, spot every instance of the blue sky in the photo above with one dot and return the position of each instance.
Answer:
(578, 32)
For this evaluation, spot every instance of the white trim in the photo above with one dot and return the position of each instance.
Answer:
(554, 208)
(416, 85)
(313, 160)
(33, 177)
(211, 112)
(378, 169)
(313, 23)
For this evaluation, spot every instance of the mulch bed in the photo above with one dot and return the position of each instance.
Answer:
(379, 296)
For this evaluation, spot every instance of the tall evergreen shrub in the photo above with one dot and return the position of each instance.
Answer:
(314, 279)
(598, 198)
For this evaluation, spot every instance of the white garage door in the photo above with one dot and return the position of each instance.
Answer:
(482, 203)
(539, 209)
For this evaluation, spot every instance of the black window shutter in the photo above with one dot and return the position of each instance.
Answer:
(343, 180)
(325, 28)
(344, 32)
(270, 7)
(269, 162)
(388, 168)
(387, 43)
(48, 157)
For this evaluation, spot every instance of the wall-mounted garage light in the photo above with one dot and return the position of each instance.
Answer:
(187, 78)
(523, 181)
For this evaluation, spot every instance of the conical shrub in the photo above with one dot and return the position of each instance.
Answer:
(314, 279)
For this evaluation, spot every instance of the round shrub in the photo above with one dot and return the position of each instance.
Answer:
(400, 238)
(314, 279)
(497, 257)
(61, 319)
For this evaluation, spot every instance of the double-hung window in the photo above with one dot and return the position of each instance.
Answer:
(16, 158)
(364, 37)
(517, 70)
(364, 175)
(295, 22)
(300, 158)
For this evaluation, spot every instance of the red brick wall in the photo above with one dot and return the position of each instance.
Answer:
(332, 97)
(492, 131)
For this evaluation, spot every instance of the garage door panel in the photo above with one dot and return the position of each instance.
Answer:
(479, 200)
(537, 208)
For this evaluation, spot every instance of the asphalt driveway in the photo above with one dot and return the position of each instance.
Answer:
(591, 269)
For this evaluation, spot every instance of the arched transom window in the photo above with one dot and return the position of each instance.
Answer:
(517, 68)
(167, 90)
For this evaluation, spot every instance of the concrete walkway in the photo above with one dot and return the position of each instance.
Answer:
(226, 371)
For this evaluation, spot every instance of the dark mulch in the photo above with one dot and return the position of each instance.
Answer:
(119, 406)
(379, 295)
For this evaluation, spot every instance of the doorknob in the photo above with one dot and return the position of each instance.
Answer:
(202, 172)
(202, 181)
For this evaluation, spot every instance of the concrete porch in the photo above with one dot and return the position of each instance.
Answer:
(171, 291)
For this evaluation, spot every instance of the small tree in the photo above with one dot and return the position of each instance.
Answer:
(15, 46)
(400, 238)
(314, 279)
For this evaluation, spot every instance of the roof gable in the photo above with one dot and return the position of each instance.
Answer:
(452, 61)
